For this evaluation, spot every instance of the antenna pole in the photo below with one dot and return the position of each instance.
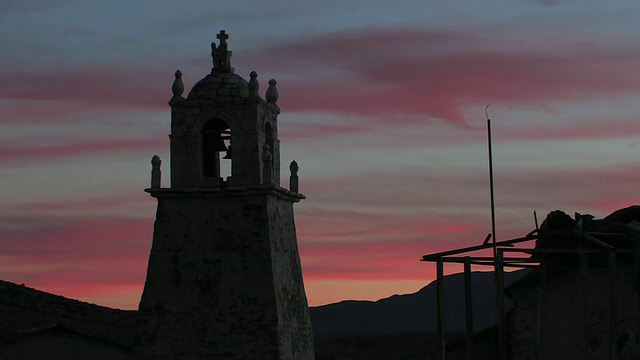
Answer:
(493, 207)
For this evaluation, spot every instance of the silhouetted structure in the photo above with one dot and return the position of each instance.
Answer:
(224, 279)
(580, 301)
(38, 325)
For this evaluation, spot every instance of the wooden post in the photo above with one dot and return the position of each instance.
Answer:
(541, 308)
(468, 306)
(636, 262)
(613, 308)
(440, 295)
(584, 285)
(502, 341)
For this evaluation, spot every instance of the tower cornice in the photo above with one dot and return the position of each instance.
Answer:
(229, 191)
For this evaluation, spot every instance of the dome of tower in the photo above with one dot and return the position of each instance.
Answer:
(215, 86)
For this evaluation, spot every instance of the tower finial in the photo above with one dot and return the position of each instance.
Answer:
(178, 87)
(221, 55)
(155, 172)
(293, 179)
(272, 92)
(254, 86)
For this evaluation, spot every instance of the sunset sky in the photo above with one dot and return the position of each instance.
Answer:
(382, 107)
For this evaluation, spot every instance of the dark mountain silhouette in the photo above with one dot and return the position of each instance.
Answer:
(413, 313)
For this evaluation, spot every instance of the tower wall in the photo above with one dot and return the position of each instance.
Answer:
(224, 279)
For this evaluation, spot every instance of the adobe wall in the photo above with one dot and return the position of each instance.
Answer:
(563, 317)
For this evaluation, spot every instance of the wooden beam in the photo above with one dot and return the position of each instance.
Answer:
(541, 309)
(593, 240)
(460, 259)
(584, 285)
(435, 256)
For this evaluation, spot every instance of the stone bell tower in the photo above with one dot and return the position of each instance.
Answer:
(224, 278)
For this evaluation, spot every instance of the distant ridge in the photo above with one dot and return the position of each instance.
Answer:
(412, 313)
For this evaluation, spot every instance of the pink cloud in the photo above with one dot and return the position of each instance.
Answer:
(98, 86)
(40, 112)
(426, 74)
(69, 205)
(585, 129)
(596, 190)
(297, 131)
(75, 256)
(74, 238)
(21, 152)
(373, 261)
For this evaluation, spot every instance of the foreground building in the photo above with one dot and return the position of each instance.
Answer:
(580, 297)
(582, 301)
(224, 279)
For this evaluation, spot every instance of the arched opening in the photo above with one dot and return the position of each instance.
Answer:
(216, 139)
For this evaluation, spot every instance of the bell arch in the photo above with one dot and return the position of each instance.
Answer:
(216, 138)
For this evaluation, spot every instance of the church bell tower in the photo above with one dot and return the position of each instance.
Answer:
(224, 278)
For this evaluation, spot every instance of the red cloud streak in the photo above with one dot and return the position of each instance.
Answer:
(21, 152)
(131, 87)
(433, 74)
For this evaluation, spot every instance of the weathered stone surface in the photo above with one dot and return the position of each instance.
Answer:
(224, 280)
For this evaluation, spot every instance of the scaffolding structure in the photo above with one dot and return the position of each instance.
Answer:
(507, 255)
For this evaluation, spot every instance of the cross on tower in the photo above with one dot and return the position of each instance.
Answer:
(223, 36)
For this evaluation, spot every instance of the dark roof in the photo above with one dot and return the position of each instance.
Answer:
(56, 329)
(23, 308)
(619, 231)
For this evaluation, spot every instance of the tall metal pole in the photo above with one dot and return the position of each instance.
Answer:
(493, 206)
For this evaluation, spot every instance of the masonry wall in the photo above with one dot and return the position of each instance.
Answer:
(562, 333)
(294, 330)
(224, 280)
(524, 324)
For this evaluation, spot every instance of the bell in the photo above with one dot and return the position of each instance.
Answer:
(228, 154)
(218, 143)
